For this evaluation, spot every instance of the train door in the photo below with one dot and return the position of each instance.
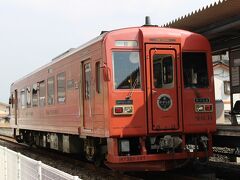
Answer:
(163, 95)
(87, 96)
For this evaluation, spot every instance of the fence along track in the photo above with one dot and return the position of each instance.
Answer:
(15, 166)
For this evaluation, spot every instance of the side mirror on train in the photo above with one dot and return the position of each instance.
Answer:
(106, 72)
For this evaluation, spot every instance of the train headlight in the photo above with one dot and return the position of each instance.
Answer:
(128, 109)
(203, 107)
(124, 146)
(118, 110)
(199, 108)
(208, 108)
(123, 110)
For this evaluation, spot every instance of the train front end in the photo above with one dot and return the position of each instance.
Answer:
(161, 98)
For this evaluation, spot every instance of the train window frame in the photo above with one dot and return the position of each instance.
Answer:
(70, 84)
(87, 80)
(193, 76)
(23, 98)
(166, 80)
(28, 97)
(133, 60)
(42, 94)
(61, 99)
(51, 96)
(98, 76)
(35, 95)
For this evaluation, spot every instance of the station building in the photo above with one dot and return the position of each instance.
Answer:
(4, 112)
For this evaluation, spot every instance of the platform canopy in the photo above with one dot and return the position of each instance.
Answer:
(219, 22)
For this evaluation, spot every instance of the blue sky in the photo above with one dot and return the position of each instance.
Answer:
(35, 31)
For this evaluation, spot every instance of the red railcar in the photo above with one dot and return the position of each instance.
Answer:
(138, 98)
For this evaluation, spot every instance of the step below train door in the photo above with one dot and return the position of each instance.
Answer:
(163, 103)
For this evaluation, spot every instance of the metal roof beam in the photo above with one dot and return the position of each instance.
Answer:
(222, 28)
(218, 47)
(216, 25)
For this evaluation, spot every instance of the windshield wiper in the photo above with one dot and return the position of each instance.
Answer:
(132, 88)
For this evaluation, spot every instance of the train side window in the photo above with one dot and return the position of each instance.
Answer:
(61, 87)
(42, 93)
(50, 90)
(70, 84)
(126, 70)
(87, 77)
(28, 98)
(98, 77)
(23, 98)
(195, 71)
(34, 95)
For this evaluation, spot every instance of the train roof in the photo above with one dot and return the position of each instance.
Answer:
(64, 55)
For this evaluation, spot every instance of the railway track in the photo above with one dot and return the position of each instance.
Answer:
(225, 170)
(72, 164)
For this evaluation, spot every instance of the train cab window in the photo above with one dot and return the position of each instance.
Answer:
(195, 72)
(23, 98)
(61, 87)
(163, 71)
(42, 93)
(98, 75)
(126, 70)
(28, 97)
(50, 90)
(35, 95)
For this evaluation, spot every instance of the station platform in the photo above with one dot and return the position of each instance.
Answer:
(228, 130)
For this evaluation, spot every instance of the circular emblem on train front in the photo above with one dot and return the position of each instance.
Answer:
(164, 102)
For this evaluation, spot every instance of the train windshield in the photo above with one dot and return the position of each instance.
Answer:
(126, 70)
(195, 70)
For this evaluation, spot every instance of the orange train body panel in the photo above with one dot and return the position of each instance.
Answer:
(144, 83)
